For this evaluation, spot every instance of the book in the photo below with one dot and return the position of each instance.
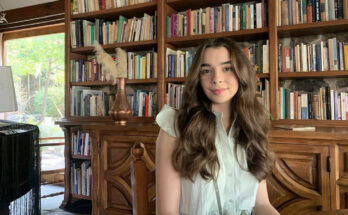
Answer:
(304, 106)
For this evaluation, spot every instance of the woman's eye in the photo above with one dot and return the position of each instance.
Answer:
(228, 69)
(204, 71)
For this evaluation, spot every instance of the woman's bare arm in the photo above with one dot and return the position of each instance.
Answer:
(262, 204)
(167, 179)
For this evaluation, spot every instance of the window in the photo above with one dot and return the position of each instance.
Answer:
(37, 60)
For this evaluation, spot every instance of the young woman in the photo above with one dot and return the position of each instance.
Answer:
(212, 154)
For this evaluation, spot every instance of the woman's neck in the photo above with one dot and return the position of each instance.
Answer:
(225, 109)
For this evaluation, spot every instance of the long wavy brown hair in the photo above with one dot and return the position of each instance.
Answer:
(195, 152)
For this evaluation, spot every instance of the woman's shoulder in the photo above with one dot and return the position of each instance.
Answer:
(166, 120)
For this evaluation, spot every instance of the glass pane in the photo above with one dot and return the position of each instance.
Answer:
(52, 158)
(38, 71)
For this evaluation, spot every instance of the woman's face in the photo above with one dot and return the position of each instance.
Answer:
(218, 81)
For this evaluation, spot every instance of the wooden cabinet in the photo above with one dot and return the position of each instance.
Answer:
(111, 165)
(342, 181)
(309, 172)
(300, 180)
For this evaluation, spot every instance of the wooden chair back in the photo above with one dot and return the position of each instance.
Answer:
(143, 181)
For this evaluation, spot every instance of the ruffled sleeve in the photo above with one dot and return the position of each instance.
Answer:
(165, 119)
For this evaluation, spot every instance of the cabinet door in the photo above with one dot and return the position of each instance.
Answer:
(300, 180)
(115, 177)
(342, 181)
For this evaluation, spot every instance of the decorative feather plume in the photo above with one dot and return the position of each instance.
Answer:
(121, 63)
(108, 63)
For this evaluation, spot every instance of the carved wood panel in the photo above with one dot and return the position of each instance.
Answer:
(300, 182)
(342, 181)
(115, 176)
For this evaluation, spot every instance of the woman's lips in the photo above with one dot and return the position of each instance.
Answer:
(218, 91)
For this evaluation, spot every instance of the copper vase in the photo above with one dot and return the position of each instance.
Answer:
(120, 110)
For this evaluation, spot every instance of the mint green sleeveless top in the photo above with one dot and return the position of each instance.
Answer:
(237, 186)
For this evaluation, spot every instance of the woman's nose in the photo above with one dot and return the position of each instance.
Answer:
(217, 77)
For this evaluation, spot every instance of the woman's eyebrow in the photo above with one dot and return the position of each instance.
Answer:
(226, 62)
(205, 64)
(223, 63)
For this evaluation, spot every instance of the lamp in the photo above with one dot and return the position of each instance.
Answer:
(8, 102)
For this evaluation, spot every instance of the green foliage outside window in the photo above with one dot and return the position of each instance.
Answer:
(38, 69)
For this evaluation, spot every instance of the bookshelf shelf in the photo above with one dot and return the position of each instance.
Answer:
(109, 83)
(334, 26)
(107, 119)
(323, 74)
(128, 46)
(175, 80)
(81, 157)
(320, 123)
(129, 11)
(182, 80)
(76, 196)
(242, 35)
(91, 83)
(263, 75)
(142, 81)
(180, 5)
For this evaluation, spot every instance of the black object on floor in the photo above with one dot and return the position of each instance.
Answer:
(80, 206)
(19, 168)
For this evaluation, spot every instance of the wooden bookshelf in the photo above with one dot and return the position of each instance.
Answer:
(107, 119)
(142, 81)
(316, 74)
(109, 83)
(129, 11)
(263, 75)
(316, 28)
(175, 80)
(179, 5)
(91, 83)
(242, 35)
(128, 46)
(81, 157)
(316, 123)
(76, 196)
(106, 134)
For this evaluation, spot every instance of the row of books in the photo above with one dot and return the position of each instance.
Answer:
(174, 96)
(85, 32)
(139, 66)
(81, 178)
(83, 6)
(263, 93)
(227, 17)
(81, 143)
(291, 12)
(86, 70)
(85, 101)
(327, 104)
(178, 63)
(258, 55)
(143, 103)
(142, 65)
(316, 56)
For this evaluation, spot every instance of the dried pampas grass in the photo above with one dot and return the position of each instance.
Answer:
(111, 68)
(121, 63)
